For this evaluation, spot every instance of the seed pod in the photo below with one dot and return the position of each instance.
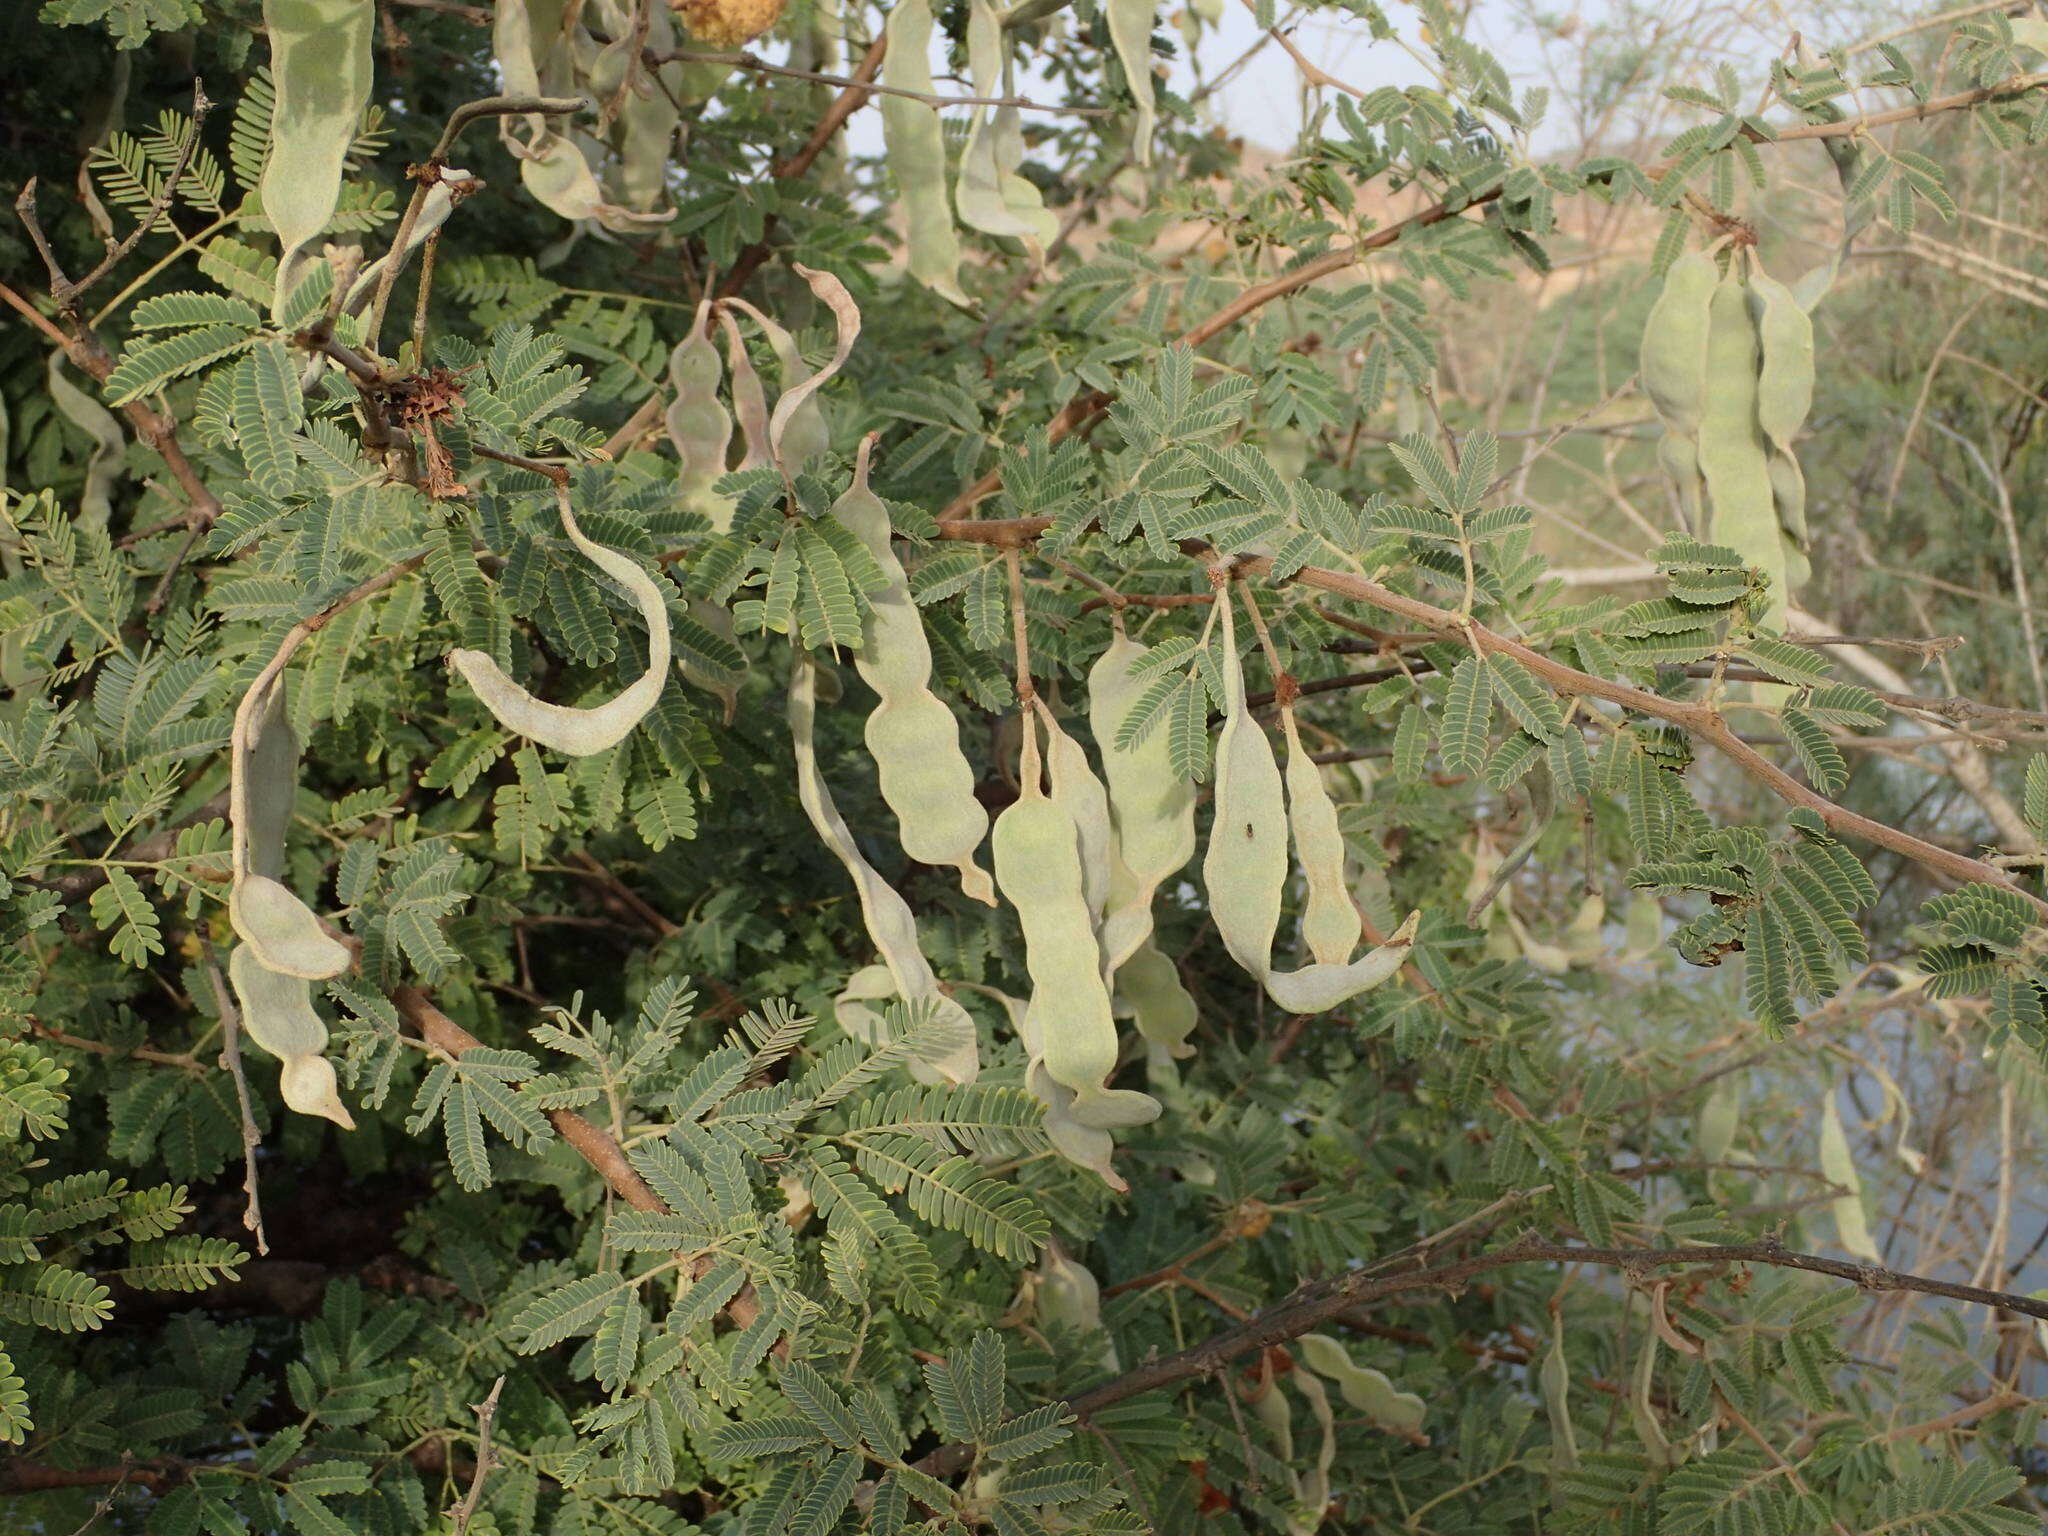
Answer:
(1245, 867)
(277, 1013)
(1734, 456)
(1152, 808)
(698, 425)
(888, 918)
(806, 436)
(1330, 924)
(1838, 1166)
(1582, 935)
(916, 145)
(790, 433)
(580, 732)
(1367, 1390)
(281, 931)
(1069, 1299)
(1674, 351)
(556, 172)
(952, 1058)
(990, 195)
(1784, 394)
(1148, 985)
(1077, 791)
(915, 741)
(1038, 865)
(109, 446)
(749, 402)
(1130, 32)
(321, 67)
(452, 186)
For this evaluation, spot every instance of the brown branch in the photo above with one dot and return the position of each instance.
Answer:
(486, 1411)
(588, 1141)
(1698, 719)
(1324, 1301)
(67, 293)
(844, 105)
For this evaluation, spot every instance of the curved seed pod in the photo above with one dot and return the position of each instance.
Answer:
(1314, 1489)
(1784, 394)
(1149, 985)
(103, 469)
(281, 931)
(955, 1058)
(805, 436)
(989, 194)
(1085, 1146)
(1642, 927)
(1680, 456)
(790, 405)
(1367, 1390)
(698, 425)
(555, 170)
(1673, 357)
(916, 145)
(888, 918)
(1271, 1409)
(320, 62)
(1556, 1381)
(749, 402)
(1734, 456)
(1245, 867)
(1330, 924)
(1038, 866)
(1547, 958)
(277, 1013)
(1152, 808)
(1130, 32)
(915, 741)
(579, 732)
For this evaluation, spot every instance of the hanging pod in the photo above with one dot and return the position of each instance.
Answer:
(1038, 865)
(579, 732)
(321, 67)
(916, 145)
(926, 780)
(277, 1013)
(990, 194)
(889, 922)
(699, 426)
(263, 761)
(1246, 865)
(1152, 808)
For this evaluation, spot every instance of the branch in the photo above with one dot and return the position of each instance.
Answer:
(844, 105)
(486, 1411)
(1323, 1301)
(67, 293)
(1700, 720)
(589, 1142)
(1085, 410)
(748, 61)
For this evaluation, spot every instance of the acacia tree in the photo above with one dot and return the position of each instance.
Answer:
(647, 881)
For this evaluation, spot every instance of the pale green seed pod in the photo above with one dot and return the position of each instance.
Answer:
(580, 732)
(1734, 456)
(277, 1013)
(1149, 986)
(1068, 1299)
(1582, 938)
(1152, 808)
(1556, 1381)
(749, 400)
(916, 146)
(887, 916)
(1367, 1390)
(1673, 358)
(1784, 394)
(1838, 1166)
(699, 426)
(1086, 1146)
(1130, 32)
(796, 429)
(1330, 924)
(925, 777)
(281, 931)
(1038, 865)
(1719, 1118)
(1245, 867)
(954, 1055)
(1078, 792)
(990, 194)
(321, 66)
(806, 436)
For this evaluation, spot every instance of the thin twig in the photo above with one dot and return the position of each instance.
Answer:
(231, 1063)
(486, 1411)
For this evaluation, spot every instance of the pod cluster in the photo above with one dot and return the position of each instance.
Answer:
(1727, 360)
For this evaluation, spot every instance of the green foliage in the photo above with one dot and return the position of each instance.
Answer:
(648, 1151)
